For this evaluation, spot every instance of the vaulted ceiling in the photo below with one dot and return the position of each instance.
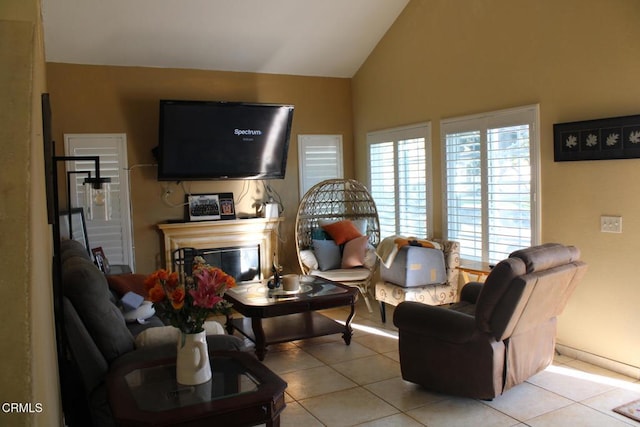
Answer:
(329, 38)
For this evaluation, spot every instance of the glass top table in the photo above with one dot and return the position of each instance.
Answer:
(273, 316)
(146, 392)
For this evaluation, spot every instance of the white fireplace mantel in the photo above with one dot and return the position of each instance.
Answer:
(223, 234)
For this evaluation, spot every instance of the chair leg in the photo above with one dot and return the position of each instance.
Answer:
(383, 312)
(365, 295)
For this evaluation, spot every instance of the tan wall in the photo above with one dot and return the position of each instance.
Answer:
(100, 99)
(29, 366)
(579, 60)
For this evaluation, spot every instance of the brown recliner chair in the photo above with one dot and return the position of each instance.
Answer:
(499, 334)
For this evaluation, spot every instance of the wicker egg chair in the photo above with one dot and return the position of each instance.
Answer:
(335, 200)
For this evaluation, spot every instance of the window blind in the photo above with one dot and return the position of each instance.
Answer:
(399, 163)
(114, 236)
(319, 158)
(491, 182)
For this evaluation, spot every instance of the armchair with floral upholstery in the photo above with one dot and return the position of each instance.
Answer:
(445, 292)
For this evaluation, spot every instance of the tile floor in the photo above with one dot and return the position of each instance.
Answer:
(332, 384)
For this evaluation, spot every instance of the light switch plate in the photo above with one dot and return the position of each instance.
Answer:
(610, 224)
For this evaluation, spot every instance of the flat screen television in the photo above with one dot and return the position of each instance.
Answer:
(203, 140)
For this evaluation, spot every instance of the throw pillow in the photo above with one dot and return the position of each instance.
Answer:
(328, 254)
(319, 234)
(354, 252)
(123, 283)
(360, 224)
(160, 335)
(342, 231)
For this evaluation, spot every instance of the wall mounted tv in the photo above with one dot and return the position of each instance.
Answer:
(203, 140)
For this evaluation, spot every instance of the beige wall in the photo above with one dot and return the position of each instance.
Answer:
(100, 99)
(28, 369)
(579, 60)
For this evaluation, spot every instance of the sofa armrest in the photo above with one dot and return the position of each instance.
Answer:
(434, 321)
(89, 361)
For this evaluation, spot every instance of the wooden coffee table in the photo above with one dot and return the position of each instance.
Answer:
(276, 316)
(242, 392)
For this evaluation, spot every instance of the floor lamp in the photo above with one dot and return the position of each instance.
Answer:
(92, 184)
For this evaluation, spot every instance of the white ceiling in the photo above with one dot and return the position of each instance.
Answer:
(301, 37)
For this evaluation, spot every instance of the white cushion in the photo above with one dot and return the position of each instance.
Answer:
(344, 274)
(169, 335)
(309, 259)
(143, 312)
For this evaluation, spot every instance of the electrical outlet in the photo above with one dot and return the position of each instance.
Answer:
(610, 224)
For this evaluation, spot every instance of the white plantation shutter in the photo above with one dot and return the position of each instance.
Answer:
(383, 184)
(399, 161)
(113, 236)
(491, 182)
(319, 158)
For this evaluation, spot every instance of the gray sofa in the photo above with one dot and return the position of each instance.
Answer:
(97, 336)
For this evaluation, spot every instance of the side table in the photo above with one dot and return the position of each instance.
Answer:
(242, 392)
(479, 269)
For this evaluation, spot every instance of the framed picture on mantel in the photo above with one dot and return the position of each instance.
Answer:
(209, 207)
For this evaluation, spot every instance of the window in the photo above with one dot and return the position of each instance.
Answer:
(400, 180)
(319, 158)
(114, 236)
(491, 182)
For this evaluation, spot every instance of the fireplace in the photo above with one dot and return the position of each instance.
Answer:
(241, 262)
(231, 241)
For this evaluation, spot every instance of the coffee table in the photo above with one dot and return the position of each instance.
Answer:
(242, 392)
(274, 316)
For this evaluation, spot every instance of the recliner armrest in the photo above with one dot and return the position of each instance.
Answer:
(434, 321)
(470, 292)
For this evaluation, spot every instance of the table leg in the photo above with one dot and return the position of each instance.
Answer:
(275, 422)
(348, 332)
(258, 332)
(229, 324)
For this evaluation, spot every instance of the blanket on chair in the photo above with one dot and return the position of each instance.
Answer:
(389, 247)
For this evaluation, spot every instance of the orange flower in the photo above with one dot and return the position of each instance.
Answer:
(163, 275)
(177, 297)
(156, 293)
(172, 280)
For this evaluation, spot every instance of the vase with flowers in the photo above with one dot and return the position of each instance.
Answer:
(185, 301)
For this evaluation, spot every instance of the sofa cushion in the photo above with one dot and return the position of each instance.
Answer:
(169, 334)
(86, 287)
(71, 248)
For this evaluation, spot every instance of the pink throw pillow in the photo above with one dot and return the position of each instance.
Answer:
(354, 252)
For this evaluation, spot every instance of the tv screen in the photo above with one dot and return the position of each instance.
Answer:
(202, 140)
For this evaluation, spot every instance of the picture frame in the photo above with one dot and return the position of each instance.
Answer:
(78, 226)
(601, 139)
(209, 207)
(100, 259)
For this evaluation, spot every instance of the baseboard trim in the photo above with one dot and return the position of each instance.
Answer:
(603, 362)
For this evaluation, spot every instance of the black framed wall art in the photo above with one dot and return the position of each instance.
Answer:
(209, 207)
(601, 139)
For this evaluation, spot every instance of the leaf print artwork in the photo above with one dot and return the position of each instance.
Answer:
(572, 141)
(612, 139)
(634, 137)
(592, 140)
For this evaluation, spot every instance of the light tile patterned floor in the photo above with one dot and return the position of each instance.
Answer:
(332, 384)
